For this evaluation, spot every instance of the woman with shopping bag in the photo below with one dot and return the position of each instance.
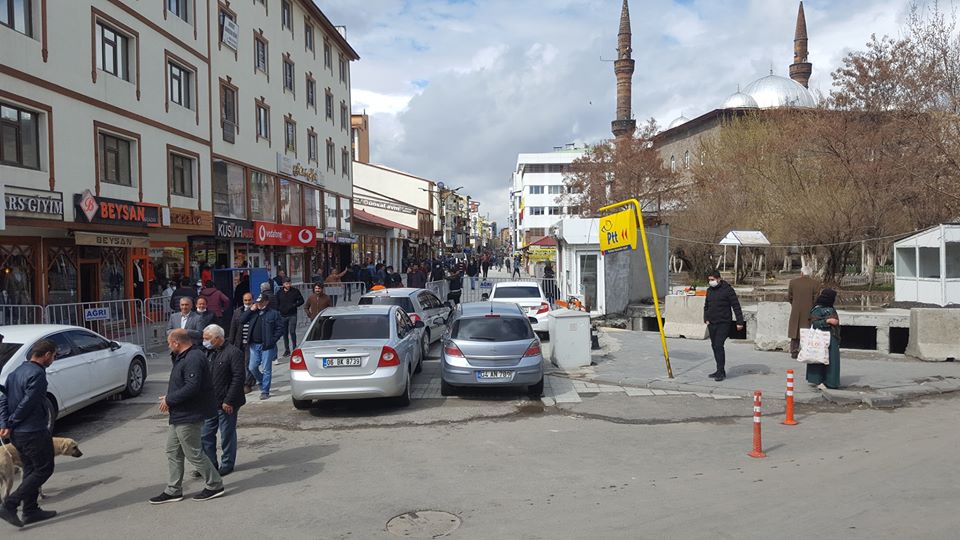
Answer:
(824, 317)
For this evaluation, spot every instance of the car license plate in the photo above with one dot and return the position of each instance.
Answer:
(493, 374)
(353, 361)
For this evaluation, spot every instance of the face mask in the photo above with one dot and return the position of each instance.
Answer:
(207, 344)
(714, 283)
(203, 310)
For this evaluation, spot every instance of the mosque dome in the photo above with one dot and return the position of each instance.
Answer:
(739, 100)
(680, 120)
(775, 91)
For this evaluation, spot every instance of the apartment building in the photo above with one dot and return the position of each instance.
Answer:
(537, 189)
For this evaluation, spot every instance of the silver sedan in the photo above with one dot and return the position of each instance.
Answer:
(357, 352)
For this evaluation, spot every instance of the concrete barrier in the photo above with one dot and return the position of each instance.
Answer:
(934, 334)
(772, 320)
(684, 316)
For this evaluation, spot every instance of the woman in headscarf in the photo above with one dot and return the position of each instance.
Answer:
(824, 317)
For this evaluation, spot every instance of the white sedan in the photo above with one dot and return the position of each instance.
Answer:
(87, 368)
(529, 296)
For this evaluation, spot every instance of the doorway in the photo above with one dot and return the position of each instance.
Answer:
(89, 281)
(589, 281)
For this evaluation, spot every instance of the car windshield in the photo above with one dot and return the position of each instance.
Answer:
(364, 326)
(7, 350)
(516, 292)
(402, 301)
(494, 328)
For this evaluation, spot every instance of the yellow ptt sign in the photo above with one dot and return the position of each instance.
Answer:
(618, 232)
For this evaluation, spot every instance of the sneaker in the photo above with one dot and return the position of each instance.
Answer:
(720, 376)
(264, 396)
(38, 516)
(208, 494)
(714, 374)
(276, 362)
(166, 498)
(10, 516)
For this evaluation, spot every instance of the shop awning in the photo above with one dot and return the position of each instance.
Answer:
(546, 241)
(378, 221)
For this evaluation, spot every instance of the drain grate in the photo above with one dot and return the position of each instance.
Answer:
(423, 524)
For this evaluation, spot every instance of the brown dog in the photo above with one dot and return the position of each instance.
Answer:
(10, 461)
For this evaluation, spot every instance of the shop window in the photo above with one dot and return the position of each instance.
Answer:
(311, 212)
(112, 274)
(16, 277)
(61, 275)
(330, 210)
(167, 265)
(345, 214)
(290, 203)
(263, 197)
(229, 190)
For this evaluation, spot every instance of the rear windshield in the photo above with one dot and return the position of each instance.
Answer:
(350, 327)
(516, 292)
(7, 350)
(402, 301)
(492, 329)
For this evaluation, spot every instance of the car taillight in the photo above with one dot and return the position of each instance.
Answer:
(388, 358)
(544, 307)
(533, 350)
(451, 349)
(415, 318)
(296, 361)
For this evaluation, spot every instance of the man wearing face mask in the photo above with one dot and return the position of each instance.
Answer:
(721, 299)
(227, 371)
(239, 336)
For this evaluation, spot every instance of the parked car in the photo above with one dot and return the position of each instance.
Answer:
(491, 344)
(420, 305)
(529, 296)
(87, 367)
(357, 352)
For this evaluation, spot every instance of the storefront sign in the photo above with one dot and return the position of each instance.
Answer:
(96, 314)
(183, 218)
(330, 237)
(542, 254)
(346, 238)
(274, 234)
(234, 229)
(386, 205)
(231, 33)
(291, 167)
(33, 203)
(618, 232)
(115, 211)
(110, 240)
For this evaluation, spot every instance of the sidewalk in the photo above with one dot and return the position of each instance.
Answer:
(635, 359)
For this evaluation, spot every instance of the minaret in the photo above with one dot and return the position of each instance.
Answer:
(624, 125)
(800, 69)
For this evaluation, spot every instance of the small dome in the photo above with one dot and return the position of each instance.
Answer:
(740, 100)
(678, 121)
(775, 91)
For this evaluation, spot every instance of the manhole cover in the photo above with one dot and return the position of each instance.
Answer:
(423, 524)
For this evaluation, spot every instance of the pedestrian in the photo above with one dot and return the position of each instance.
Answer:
(240, 337)
(416, 278)
(485, 265)
(456, 287)
(189, 401)
(277, 282)
(334, 279)
(720, 301)
(217, 302)
(549, 282)
(393, 279)
(187, 319)
(185, 289)
(206, 316)
(242, 288)
(317, 302)
(23, 419)
(266, 329)
(506, 261)
(824, 317)
(802, 294)
(472, 271)
(437, 273)
(289, 301)
(227, 373)
(516, 267)
(379, 275)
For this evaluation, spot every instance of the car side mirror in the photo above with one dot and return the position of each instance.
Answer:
(532, 320)
(484, 297)
(114, 345)
(419, 324)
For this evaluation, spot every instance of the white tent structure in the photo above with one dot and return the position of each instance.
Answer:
(740, 239)
(927, 266)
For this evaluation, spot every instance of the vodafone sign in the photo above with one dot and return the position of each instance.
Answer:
(274, 234)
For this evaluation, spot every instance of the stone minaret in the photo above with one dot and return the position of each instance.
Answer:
(800, 69)
(624, 125)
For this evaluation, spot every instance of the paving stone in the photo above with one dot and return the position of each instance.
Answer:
(842, 397)
(883, 401)
(637, 392)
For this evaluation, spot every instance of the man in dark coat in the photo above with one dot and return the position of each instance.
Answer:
(416, 277)
(189, 401)
(185, 289)
(801, 293)
(721, 300)
(227, 372)
(289, 301)
(239, 336)
(266, 329)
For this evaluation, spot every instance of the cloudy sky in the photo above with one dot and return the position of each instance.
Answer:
(457, 88)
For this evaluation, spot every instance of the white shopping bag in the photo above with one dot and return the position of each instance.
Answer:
(814, 346)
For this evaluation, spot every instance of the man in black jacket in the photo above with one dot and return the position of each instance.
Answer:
(289, 301)
(266, 329)
(185, 289)
(721, 299)
(239, 336)
(227, 371)
(189, 401)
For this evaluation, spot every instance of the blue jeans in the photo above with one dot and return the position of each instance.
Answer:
(290, 335)
(261, 365)
(473, 282)
(227, 425)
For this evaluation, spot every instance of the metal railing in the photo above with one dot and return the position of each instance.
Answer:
(473, 289)
(117, 320)
(21, 314)
(340, 293)
(156, 319)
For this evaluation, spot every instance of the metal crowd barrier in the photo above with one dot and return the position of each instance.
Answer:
(21, 314)
(117, 320)
(156, 318)
(473, 292)
(341, 294)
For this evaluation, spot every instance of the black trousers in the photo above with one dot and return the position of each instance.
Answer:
(36, 452)
(719, 332)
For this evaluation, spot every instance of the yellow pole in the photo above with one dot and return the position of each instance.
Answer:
(653, 284)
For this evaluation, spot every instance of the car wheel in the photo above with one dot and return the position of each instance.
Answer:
(535, 391)
(447, 389)
(302, 404)
(403, 399)
(424, 351)
(52, 411)
(136, 376)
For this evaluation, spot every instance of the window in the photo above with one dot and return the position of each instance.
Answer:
(555, 168)
(536, 190)
(345, 162)
(493, 329)
(112, 52)
(536, 210)
(178, 8)
(223, 17)
(290, 203)
(686, 159)
(535, 168)
(19, 137)
(263, 197)
(115, 160)
(288, 75)
(329, 105)
(286, 15)
(403, 302)
(229, 190)
(555, 190)
(85, 342)
(290, 135)
(308, 36)
(181, 175)
(311, 214)
(343, 69)
(331, 160)
(312, 147)
(344, 116)
(179, 84)
(339, 327)
(518, 291)
(260, 55)
(673, 163)
(311, 93)
(263, 122)
(574, 189)
(17, 14)
(573, 210)
(228, 112)
(327, 55)
(555, 210)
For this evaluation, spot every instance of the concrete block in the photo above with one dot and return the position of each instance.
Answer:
(883, 401)
(685, 317)
(842, 397)
(772, 321)
(934, 334)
